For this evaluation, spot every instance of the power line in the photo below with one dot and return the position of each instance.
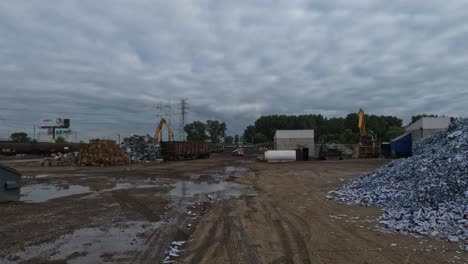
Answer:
(183, 118)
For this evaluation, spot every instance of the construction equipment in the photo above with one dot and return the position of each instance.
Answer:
(239, 152)
(158, 132)
(368, 147)
(325, 152)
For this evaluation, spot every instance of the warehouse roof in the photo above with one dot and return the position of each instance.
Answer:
(429, 123)
(401, 136)
(5, 168)
(303, 133)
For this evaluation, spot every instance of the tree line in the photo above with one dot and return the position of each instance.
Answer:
(327, 130)
(212, 130)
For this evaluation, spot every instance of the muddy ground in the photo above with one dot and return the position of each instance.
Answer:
(241, 211)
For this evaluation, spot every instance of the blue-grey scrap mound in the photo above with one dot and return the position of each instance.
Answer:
(426, 193)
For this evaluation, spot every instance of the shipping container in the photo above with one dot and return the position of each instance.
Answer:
(402, 146)
(174, 150)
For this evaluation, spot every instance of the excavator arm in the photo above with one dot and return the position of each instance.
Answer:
(362, 124)
(162, 122)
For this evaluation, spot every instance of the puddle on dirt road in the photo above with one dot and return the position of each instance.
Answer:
(116, 244)
(187, 189)
(233, 169)
(215, 186)
(39, 193)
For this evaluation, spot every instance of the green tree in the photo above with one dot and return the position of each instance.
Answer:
(236, 139)
(336, 129)
(216, 130)
(394, 132)
(249, 134)
(228, 140)
(196, 131)
(60, 140)
(20, 137)
(260, 138)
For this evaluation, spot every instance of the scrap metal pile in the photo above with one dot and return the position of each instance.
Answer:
(101, 153)
(141, 148)
(342, 148)
(426, 193)
(59, 159)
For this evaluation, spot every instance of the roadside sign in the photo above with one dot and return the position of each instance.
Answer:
(63, 132)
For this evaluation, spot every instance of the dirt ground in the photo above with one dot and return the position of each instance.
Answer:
(282, 216)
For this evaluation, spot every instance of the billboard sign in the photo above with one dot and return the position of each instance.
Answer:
(55, 122)
(63, 132)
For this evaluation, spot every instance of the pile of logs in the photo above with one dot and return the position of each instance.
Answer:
(101, 153)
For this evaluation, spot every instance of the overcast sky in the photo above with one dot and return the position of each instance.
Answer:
(106, 64)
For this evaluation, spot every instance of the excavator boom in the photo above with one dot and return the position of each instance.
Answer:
(162, 122)
(362, 123)
(368, 146)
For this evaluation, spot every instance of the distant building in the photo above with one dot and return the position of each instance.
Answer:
(427, 126)
(302, 141)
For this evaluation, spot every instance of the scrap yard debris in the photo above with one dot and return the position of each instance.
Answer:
(426, 193)
(141, 148)
(60, 159)
(101, 153)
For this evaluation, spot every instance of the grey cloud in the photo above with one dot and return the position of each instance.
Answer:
(105, 64)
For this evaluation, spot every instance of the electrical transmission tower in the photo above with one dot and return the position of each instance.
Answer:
(183, 118)
(164, 110)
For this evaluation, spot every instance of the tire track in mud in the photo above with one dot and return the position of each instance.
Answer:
(159, 240)
(207, 242)
(130, 206)
(295, 236)
(226, 237)
(287, 250)
(236, 239)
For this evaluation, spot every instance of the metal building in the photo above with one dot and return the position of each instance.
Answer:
(302, 141)
(401, 146)
(9, 184)
(427, 126)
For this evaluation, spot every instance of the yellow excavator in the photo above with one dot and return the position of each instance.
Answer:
(158, 132)
(368, 147)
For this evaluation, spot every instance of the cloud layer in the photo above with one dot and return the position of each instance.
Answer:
(106, 64)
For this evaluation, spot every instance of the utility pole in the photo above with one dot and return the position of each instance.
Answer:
(34, 132)
(183, 117)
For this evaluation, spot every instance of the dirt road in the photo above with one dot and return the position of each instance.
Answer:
(132, 214)
(287, 219)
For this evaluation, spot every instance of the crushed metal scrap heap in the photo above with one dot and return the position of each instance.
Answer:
(141, 148)
(426, 193)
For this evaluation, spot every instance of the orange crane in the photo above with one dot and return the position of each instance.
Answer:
(368, 146)
(158, 132)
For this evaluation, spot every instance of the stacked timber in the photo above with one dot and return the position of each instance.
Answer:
(101, 153)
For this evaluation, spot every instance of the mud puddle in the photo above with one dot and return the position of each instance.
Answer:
(115, 244)
(215, 184)
(39, 193)
(189, 189)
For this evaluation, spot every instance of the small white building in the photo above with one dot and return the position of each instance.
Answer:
(427, 126)
(300, 140)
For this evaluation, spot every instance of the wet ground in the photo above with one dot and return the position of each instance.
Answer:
(112, 215)
(226, 210)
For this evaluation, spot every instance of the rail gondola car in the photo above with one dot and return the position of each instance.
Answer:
(175, 150)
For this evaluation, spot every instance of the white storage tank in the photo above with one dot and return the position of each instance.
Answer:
(280, 155)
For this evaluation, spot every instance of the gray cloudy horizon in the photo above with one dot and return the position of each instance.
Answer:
(106, 64)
